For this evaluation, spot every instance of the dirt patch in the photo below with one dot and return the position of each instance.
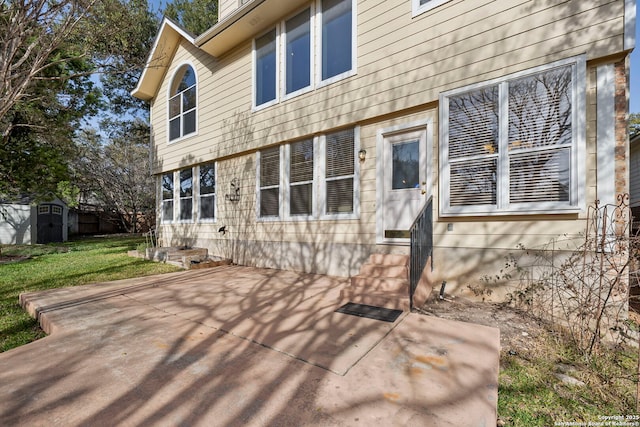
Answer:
(518, 329)
(4, 259)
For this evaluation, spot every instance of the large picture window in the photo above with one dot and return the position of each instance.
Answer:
(167, 197)
(316, 46)
(515, 145)
(186, 194)
(207, 192)
(182, 103)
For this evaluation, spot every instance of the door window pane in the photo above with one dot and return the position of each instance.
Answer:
(405, 164)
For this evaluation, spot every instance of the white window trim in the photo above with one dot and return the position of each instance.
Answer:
(318, 187)
(354, 35)
(578, 151)
(283, 66)
(254, 82)
(180, 199)
(281, 184)
(322, 190)
(315, 66)
(196, 190)
(417, 8)
(287, 184)
(169, 96)
(162, 200)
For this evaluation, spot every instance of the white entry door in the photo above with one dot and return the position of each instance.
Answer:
(403, 184)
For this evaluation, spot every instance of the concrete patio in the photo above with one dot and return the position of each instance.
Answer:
(238, 346)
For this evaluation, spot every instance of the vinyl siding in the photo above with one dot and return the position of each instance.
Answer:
(403, 64)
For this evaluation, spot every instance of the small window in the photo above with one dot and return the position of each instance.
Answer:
(167, 197)
(186, 194)
(270, 182)
(43, 209)
(56, 210)
(266, 68)
(207, 198)
(340, 172)
(337, 38)
(420, 6)
(182, 103)
(301, 178)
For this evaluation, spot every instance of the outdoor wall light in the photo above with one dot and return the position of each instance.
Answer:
(362, 154)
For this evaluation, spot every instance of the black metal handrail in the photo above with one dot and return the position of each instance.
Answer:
(421, 246)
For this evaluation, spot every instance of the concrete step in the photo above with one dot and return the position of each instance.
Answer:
(384, 270)
(380, 284)
(383, 281)
(389, 259)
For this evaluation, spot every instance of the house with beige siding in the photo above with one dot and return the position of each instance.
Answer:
(311, 135)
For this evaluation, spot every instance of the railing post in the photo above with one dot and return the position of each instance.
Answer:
(421, 246)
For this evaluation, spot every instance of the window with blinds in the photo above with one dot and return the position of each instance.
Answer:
(167, 197)
(512, 145)
(318, 178)
(301, 178)
(207, 191)
(340, 169)
(270, 182)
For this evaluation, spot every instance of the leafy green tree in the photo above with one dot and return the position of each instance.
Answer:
(48, 51)
(113, 174)
(196, 16)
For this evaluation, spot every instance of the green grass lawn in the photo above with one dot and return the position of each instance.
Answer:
(530, 394)
(55, 266)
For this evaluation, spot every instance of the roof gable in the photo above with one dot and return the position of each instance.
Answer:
(164, 46)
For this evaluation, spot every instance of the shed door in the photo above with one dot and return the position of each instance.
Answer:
(49, 223)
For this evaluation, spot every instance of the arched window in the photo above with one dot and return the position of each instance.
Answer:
(182, 103)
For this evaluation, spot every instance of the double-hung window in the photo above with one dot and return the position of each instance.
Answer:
(310, 179)
(340, 172)
(515, 145)
(167, 197)
(186, 194)
(207, 191)
(301, 174)
(269, 182)
(182, 103)
(284, 57)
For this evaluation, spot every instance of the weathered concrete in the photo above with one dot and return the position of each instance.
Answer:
(237, 346)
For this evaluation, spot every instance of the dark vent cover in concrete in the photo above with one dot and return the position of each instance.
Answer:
(370, 311)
